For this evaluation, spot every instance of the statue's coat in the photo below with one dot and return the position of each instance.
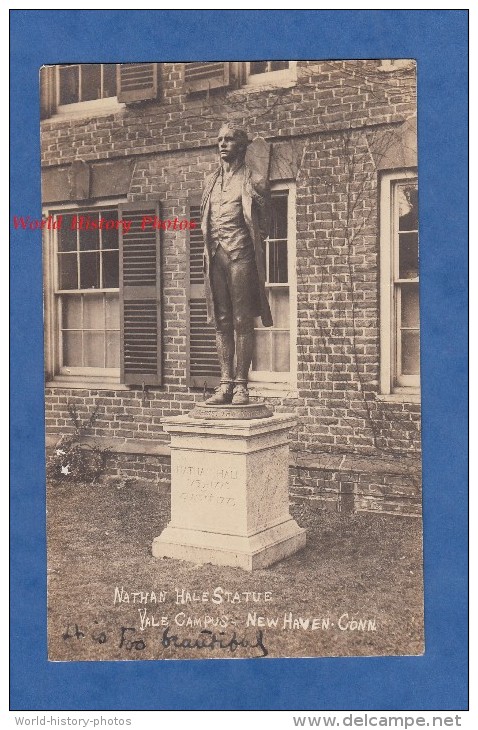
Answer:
(256, 210)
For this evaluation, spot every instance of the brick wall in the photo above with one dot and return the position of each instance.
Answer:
(348, 483)
(327, 95)
(337, 111)
(338, 302)
(154, 469)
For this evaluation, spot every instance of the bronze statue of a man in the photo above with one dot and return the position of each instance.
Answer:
(234, 223)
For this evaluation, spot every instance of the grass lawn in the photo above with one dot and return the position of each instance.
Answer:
(356, 589)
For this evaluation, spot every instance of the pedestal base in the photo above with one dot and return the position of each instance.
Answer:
(230, 493)
(250, 553)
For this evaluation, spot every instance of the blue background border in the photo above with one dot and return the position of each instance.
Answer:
(439, 42)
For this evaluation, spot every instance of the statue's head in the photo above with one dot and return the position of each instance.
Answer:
(232, 141)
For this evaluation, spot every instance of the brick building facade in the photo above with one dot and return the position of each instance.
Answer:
(125, 332)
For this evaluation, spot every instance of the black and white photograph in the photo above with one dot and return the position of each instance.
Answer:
(232, 359)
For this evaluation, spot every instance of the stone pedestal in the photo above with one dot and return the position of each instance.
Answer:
(230, 492)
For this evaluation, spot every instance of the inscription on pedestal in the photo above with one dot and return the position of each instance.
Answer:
(206, 485)
(207, 492)
(199, 472)
(211, 498)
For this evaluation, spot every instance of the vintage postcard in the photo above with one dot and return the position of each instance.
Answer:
(215, 235)
(231, 314)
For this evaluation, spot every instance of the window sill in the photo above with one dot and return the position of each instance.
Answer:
(272, 390)
(400, 397)
(258, 82)
(95, 108)
(257, 390)
(89, 383)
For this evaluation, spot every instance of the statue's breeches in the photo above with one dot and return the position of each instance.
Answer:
(235, 290)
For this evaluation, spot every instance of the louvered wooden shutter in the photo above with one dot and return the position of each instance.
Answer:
(140, 297)
(205, 76)
(203, 365)
(136, 81)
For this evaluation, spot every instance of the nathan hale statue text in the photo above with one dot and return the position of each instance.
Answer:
(234, 222)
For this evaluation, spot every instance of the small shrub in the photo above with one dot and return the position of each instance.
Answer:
(73, 459)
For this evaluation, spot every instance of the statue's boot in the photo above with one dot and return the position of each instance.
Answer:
(244, 350)
(225, 352)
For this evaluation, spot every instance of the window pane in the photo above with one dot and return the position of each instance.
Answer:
(408, 207)
(410, 353)
(89, 239)
(90, 81)
(279, 217)
(66, 236)
(109, 79)
(94, 349)
(410, 313)
(280, 349)
(279, 302)
(278, 65)
(277, 262)
(69, 84)
(258, 67)
(71, 312)
(68, 270)
(112, 350)
(109, 237)
(261, 359)
(111, 270)
(72, 349)
(93, 312)
(89, 271)
(112, 312)
(408, 255)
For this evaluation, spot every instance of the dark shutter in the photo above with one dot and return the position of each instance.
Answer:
(47, 91)
(140, 296)
(203, 365)
(136, 81)
(205, 76)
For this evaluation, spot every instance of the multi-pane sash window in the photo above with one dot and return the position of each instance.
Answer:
(406, 283)
(86, 82)
(272, 356)
(400, 328)
(87, 292)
